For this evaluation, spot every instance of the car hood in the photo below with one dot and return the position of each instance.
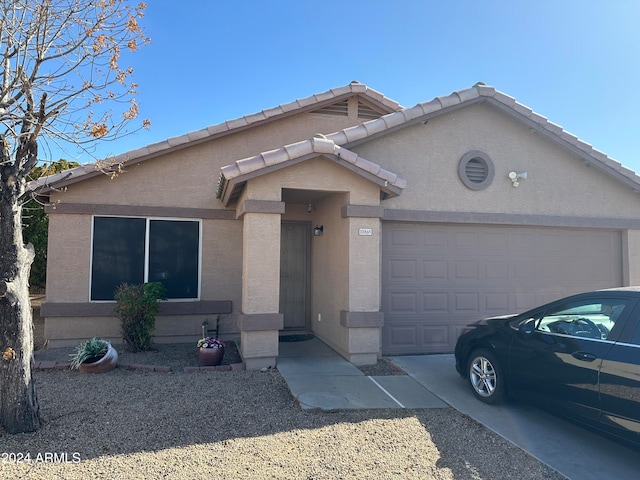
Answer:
(497, 319)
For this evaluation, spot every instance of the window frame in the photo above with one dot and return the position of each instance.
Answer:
(148, 221)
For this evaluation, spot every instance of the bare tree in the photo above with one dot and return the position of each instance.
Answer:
(61, 81)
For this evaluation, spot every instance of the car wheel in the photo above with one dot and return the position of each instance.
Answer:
(485, 377)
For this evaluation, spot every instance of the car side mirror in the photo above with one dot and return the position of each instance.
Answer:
(528, 327)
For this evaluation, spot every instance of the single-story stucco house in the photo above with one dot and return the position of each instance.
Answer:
(378, 228)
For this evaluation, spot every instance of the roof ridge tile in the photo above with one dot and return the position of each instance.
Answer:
(255, 117)
(375, 126)
(273, 157)
(485, 90)
(341, 90)
(236, 123)
(197, 134)
(176, 141)
(412, 113)
(430, 106)
(346, 154)
(217, 128)
(393, 119)
(323, 96)
(298, 149)
(504, 98)
(360, 88)
(338, 137)
(449, 100)
(468, 94)
(322, 145)
(356, 132)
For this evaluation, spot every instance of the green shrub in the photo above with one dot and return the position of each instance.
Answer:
(137, 308)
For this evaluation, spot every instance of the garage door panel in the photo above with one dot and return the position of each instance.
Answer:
(403, 302)
(435, 302)
(466, 302)
(466, 270)
(496, 302)
(523, 301)
(496, 270)
(437, 337)
(496, 241)
(403, 269)
(435, 269)
(405, 336)
(438, 278)
(435, 239)
(466, 240)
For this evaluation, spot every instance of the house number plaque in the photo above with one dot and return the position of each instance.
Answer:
(365, 231)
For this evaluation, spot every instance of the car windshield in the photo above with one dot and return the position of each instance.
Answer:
(592, 319)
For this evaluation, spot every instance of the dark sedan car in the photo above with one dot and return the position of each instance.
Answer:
(580, 356)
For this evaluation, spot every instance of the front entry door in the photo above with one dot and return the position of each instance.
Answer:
(295, 242)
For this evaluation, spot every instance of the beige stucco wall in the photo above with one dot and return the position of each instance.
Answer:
(329, 264)
(558, 182)
(345, 265)
(188, 177)
(184, 178)
(68, 258)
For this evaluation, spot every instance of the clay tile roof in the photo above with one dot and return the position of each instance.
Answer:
(233, 176)
(225, 128)
(397, 118)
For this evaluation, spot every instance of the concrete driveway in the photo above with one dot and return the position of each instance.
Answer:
(571, 450)
(321, 379)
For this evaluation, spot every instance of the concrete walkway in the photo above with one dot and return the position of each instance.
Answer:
(320, 379)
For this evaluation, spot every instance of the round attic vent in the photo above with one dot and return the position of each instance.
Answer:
(476, 170)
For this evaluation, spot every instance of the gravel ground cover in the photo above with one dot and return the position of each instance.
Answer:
(131, 424)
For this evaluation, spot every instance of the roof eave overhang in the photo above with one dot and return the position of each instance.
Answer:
(231, 188)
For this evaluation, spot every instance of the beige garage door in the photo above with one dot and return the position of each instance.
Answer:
(437, 278)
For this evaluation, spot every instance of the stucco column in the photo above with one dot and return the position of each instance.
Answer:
(363, 320)
(260, 320)
(631, 262)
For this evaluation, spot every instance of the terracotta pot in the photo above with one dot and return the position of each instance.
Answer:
(104, 364)
(209, 357)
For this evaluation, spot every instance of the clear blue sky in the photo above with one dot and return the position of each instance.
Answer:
(576, 62)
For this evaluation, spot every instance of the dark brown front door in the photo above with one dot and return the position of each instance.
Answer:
(295, 241)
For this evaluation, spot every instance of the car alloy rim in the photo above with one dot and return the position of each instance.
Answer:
(482, 376)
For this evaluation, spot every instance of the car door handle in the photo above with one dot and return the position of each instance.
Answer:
(584, 356)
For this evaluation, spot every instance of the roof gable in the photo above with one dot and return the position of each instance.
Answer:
(422, 112)
(234, 176)
(370, 104)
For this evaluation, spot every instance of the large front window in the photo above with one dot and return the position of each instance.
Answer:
(138, 250)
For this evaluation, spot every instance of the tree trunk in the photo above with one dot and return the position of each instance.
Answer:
(19, 411)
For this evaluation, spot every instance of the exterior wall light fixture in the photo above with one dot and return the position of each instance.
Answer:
(317, 231)
(516, 177)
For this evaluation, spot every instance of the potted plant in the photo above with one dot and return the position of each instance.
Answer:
(94, 356)
(210, 351)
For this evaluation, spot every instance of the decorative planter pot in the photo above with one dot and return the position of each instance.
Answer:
(104, 364)
(209, 357)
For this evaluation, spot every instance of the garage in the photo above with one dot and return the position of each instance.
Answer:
(438, 277)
